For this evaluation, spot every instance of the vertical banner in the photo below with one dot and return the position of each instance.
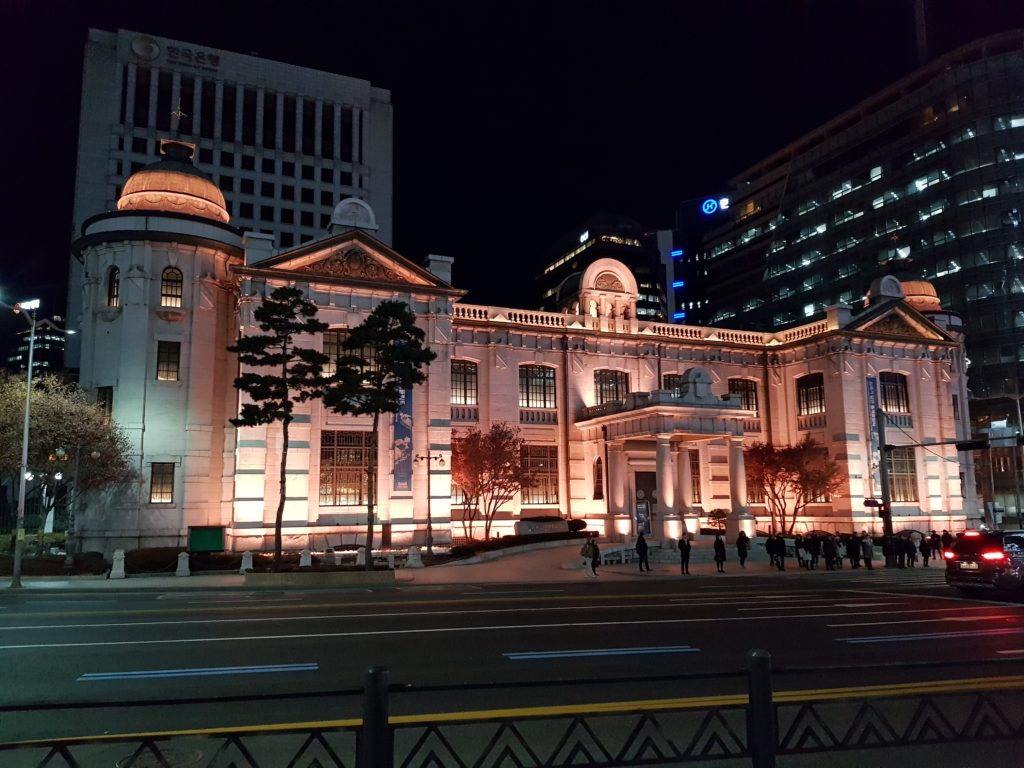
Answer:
(876, 448)
(403, 444)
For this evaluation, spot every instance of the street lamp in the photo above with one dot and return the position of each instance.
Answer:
(429, 459)
(26, 309)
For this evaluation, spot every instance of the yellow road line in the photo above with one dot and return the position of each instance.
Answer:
(967, 685)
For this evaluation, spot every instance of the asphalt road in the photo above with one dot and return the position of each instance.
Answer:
(249, 657)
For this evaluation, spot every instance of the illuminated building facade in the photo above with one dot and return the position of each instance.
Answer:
(283, 143)
(48, 351)
(924, 180)
(629, 423)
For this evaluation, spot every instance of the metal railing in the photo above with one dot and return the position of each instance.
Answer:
(757, 726)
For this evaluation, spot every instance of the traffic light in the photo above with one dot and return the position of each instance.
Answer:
(972, 445)
(883, 509)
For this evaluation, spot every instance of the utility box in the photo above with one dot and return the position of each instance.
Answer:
(206, 538)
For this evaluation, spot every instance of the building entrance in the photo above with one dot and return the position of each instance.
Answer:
(646, 498)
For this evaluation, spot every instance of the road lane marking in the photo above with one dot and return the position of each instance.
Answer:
(924, 621)
(931, 636)
(245, 600)
(1012, 650)
(521, 592)
(436, 630)
(533, 655)
(262, 669)
(824, 604)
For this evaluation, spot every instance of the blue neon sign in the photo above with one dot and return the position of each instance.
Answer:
(709, 206)
(678, 283)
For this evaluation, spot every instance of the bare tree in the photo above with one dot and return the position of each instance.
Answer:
(488, 469)
(792, 477)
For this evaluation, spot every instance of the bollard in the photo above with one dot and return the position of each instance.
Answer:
(332, 557)
(391, 560)
(183, 565)
(414, 558)
(246, 562)
(117, 568)
(376, 748)
(305, 559)
(761, 725)
(361, 556)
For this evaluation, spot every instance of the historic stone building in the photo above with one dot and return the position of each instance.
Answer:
(628, 423)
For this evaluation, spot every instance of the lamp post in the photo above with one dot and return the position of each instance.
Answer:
(429, 459)
(61, 454)
(28, 310)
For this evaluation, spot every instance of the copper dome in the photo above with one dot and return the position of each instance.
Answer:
(174, 185)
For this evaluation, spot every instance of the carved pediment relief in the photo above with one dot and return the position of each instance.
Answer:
(606, 281)
(353, 261)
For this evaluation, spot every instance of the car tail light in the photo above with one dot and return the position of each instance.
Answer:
(972, 534)
(949, 554)
(993, 555)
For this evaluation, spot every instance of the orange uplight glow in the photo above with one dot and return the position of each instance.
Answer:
(993, 555)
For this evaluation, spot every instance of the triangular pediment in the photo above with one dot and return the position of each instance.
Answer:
(897, 319)
(352, 257)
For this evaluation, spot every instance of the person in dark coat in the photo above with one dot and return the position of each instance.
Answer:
(684, 555)
(853, 551)
(828, 548)
(900, 545)
(926, 551)
(911, 552)
(742, 548)
(946, 539)
(719, 553)
(798, 547)
(936, 543)
(641, 552)
(868, 547)
(813, 547)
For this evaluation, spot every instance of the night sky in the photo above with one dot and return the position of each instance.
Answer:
(514, 122)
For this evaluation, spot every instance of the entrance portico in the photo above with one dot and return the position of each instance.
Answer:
(655, 432)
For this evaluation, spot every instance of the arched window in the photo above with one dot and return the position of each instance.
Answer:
(747, 390)
(598, 479)
(895, 398)
(810, 394)
(171, 287)
(464, 390)
(114, 287)
(536, 386)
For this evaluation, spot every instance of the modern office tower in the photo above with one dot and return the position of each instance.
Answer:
(283, 143)
(922, 180)
(606, 236)
(48, 349)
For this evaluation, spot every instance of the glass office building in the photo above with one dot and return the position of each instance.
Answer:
(922, 180)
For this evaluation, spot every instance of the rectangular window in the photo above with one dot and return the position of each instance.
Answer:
(161, 482)
(695, 475)
(207, 108)
(346, 136)
(163, 101)
(956, 408)
(747, 390)
(464, 383)
(344, 458)
(288, 127)
(327, 131)
(168, 360)
(227, 115)
(140, 102)
(105, 400)
(610, 386)
(334, 348)
(895, 398)
(536, 386)
(902, 474)
(810, 394)
(674, 383)
(248, 116)
(308, 127)
(542, 462)
(270, 120)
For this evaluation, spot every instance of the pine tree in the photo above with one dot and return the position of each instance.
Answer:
(287, 374)
(386, 358)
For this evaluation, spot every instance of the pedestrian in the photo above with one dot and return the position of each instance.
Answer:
(947, 539)
(853, 551)
(814, 549)
(926, 550)
(828, 547)
(911, 552)
(587, 551)
(720, 553)
(798, 546)
(868, 548)
(684, 555)
(936, 545)
(742, 547)
(595, 555)
(900, 545)
(641, 552)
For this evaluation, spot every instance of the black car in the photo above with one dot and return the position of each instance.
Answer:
(986, 559)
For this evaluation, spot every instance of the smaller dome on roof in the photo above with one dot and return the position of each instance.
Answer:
(921, 295)
(353, 213)
(174, 185)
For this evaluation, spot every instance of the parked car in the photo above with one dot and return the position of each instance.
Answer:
(986, 559)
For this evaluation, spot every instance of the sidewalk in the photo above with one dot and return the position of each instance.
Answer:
(536, 566)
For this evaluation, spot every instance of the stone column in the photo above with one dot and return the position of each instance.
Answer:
(690, 519)
(667, 493)
(740, 520)
(616, 479)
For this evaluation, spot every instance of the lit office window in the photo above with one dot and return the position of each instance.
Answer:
(542, 462)
(610, 386)
(464, 382)
(114, 287)
(810, 394)
(536, 386)
(895, 398)
(902, 474)
(171, 287)
(695, 475)
(344, 458)
(161, 483)
(168, 360)
(747, 390)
